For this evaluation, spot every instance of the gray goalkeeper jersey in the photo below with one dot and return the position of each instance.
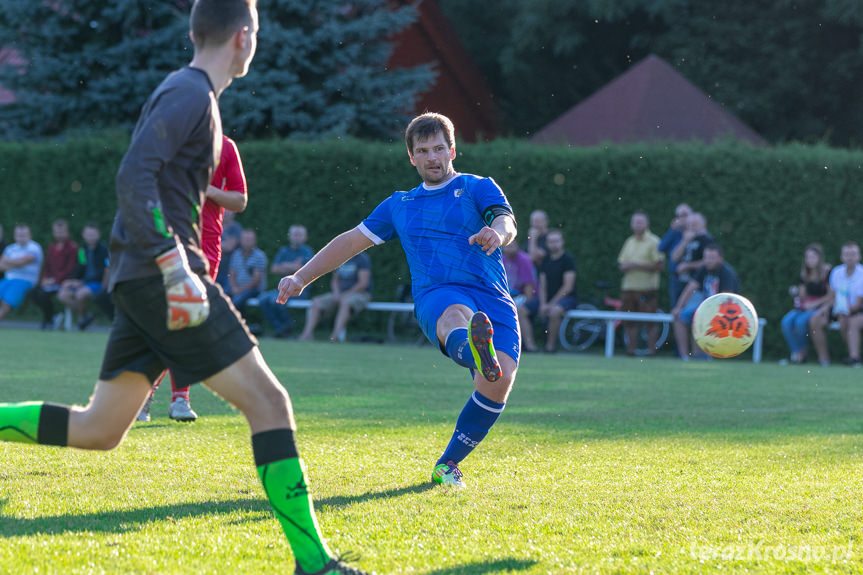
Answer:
(163, 176)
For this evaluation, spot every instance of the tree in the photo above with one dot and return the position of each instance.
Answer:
(791, 70)
(320, 67)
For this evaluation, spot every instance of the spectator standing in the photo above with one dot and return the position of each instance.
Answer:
(288, 260)
(248, 270)
(689, 252)
(713, 277)
(21, 261)
(89, 277)
(60, 262)
(811, 313)
(555, 296)
(669, 241)
(846, 281)
(536, 235)
(350, 293)
(641, 263)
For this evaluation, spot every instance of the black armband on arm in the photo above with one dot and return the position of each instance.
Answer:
(492, 212)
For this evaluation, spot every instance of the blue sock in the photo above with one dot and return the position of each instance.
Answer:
(458, 349)
(473, 424)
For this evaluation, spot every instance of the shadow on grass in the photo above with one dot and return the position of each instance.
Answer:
(131, 519)
(486, 567)
(342, 500)
(126, 520)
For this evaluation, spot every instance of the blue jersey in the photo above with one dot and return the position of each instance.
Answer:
(434, 223)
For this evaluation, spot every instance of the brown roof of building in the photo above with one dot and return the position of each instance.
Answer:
(649, 102)
(459, 90)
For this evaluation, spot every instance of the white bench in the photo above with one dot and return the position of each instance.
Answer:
(373, 305)
(610, 317)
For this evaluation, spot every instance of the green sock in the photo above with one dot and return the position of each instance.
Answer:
(281, 473)
(34, 422)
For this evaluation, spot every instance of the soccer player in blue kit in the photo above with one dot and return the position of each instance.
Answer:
(452, 228)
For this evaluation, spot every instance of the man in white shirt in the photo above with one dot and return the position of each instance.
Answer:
(846, 281)
(22, 262)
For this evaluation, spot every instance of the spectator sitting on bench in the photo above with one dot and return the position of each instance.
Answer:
(555, 296)
(60, 261)
(247, 271)
(288, 260)
(713, 277)
(520, 273)
(88, 279)
(351, 291)
(21, 261)
(846, 281)
(811, 313)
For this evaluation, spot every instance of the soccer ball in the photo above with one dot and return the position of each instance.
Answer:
(725, 325)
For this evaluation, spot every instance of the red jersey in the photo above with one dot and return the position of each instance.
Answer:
(227, 176)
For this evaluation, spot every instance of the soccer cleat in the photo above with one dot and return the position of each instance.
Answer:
(144, 414)
(479, 334)
(334, 567)
(180, 410)
(448, 474)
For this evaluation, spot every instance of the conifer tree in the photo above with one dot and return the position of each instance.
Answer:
(320, 67)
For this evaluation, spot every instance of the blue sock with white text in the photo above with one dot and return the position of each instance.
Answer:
(458, 349)
(471, 427)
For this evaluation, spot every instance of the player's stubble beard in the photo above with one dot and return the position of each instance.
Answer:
(446, 173)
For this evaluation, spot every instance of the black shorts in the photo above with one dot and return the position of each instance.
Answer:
(141, 342)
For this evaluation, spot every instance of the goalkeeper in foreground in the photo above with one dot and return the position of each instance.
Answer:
(451, 227)
(169, 313)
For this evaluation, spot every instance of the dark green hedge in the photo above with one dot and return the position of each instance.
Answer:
(763, 204)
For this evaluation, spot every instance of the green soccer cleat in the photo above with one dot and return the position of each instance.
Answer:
(334, 567)
(448, 474)
(479, 334)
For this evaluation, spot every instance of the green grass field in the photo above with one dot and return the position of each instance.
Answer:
(596, 466)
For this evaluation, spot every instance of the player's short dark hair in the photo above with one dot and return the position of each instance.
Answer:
(91, 224)
(60, 222)
(426, 126)
(215, 21)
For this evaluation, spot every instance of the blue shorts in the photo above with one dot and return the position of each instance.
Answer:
(499, 307)
(94, 287)
(688, 310)
(13, 291)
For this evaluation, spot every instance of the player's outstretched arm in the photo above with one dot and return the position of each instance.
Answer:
(342, 248)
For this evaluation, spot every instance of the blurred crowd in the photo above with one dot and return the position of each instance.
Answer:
(67, 280)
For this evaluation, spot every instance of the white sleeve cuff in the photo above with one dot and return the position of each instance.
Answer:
(370, 234)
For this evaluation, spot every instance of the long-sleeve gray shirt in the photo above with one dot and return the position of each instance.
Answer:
(163, 177)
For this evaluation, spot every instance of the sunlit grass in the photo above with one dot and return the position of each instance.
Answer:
(597, 465)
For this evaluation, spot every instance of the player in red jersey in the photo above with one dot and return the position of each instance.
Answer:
(227, 190)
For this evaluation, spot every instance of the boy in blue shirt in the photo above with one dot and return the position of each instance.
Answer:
(452, 228)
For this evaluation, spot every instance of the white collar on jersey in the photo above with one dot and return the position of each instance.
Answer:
(441, 185)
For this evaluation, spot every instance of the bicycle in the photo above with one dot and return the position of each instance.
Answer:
(578, 334)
